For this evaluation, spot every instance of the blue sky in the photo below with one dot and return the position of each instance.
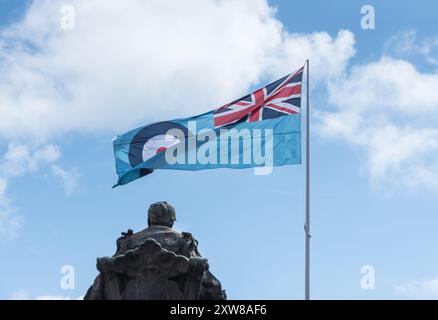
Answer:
(374, 143)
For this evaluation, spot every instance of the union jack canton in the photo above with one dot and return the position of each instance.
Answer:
(280, 98)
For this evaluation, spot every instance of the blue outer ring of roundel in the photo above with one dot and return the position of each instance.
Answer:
(143, 136)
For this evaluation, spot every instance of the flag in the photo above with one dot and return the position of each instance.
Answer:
(261, 129)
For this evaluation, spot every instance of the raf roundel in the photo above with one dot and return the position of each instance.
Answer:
(152, 140)
(158, 144)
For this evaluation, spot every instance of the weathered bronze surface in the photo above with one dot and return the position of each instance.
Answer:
(155, 263)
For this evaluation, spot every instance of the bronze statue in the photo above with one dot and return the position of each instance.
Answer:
(155, 263)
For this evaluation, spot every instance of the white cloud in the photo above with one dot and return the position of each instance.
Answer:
(329, 56)
(21, 159)
(9, 221)
(388, 85)
(388, 108)
(69, 178)
(128, 63)
(406, 44)
(421, 289)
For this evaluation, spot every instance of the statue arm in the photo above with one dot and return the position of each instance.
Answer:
(190, 247)
(122, 243)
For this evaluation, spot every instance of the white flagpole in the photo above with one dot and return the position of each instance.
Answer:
(307, 224)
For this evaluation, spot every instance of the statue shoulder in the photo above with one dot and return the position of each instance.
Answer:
(179, 242)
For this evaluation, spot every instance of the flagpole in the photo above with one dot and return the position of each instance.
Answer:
(307, 224)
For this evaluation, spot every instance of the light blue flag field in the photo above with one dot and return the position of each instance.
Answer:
(261, 130)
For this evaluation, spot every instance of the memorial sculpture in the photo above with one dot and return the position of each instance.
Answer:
(154, 264)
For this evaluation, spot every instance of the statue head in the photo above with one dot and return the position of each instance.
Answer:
(161, 214)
